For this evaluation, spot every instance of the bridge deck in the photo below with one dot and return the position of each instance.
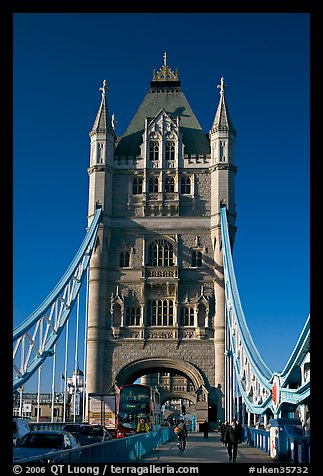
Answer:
(202, 450)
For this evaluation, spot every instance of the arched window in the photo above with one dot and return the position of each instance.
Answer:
(196, 259)
(201, 315)
(186, 317)
(137, 186)
(124, 259)
(153, 185)
(153, 150)
(170, 150)
(186, 185)
(169, 184)
(160, 253)
(133, 316)
(160, 312)
(116, 316)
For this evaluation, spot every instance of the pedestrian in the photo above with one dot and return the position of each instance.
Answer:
(223, 428)
(232, 438)
(142, 426)
(239, 429)
(206, 429)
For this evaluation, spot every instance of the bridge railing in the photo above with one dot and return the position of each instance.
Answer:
(258, 438)
(121, 450)
(290, 447)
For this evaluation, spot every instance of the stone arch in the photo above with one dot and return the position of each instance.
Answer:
(137, 368)
(164, 396)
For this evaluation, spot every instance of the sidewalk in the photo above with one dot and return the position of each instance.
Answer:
(201, 450)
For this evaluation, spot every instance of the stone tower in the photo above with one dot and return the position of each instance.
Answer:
(156, 290)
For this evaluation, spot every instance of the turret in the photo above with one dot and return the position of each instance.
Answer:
(102, 137)
(222, 137)
(100, 193)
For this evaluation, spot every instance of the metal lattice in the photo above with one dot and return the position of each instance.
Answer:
(35, 338)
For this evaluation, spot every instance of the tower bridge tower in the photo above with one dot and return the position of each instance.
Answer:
(156, 289)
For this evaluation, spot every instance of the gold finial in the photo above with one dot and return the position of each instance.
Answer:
(221, 86)
(165, 73)
(104, 87)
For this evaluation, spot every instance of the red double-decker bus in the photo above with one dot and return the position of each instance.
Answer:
(137, 401)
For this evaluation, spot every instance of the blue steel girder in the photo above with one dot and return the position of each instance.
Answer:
(253, 377)
(34, 340)
(301, 350)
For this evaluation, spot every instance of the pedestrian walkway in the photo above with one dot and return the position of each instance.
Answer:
(202, 450)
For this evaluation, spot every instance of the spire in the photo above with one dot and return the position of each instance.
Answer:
(102, 121)
(222, 120)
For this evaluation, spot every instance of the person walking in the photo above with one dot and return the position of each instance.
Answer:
(233, 438)
(223, 428)
(206, 429)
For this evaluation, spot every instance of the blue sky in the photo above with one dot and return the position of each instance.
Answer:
(60, 61)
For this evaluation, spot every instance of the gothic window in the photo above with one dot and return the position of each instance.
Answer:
(116, 316)
(201, 315)
(160, 253)
(137, 186)
(222, 150)
(124, 259)
(170, 150)
(153, 150)
(186, 185)
(160, 312)
(186, 317)
(169, 184)
(196, 259)
(100, 153)
(132, 316)
(153, 185)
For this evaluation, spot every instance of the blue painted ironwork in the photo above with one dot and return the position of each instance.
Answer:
(254, 379)
(35, 338)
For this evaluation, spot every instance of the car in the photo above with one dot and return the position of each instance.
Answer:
(45, 442)
(89, 434)
(73, 428)
(20, 427)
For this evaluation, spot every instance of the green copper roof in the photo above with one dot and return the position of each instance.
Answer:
(166, 95)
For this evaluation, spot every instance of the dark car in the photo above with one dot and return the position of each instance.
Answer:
(20, 427)
(73, 428)
(89, 434)
(45, 442)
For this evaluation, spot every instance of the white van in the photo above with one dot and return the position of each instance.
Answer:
(20, 428)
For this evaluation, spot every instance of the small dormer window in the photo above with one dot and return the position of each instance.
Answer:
(154, 150)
